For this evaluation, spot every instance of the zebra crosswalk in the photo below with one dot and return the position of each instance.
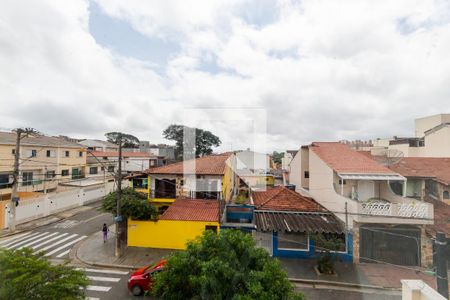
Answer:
(53, 244)
(102, 281)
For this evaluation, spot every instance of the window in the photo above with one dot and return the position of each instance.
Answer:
(105, 158)
(50, 174)
(446, 195)
(66, 153)
(13, 151)
(212, 228)
(80, 154)
(332, 241)
(51, 153)
(4, 181)
(306, 174)
(93, 170)
(65, 173)
(27, 178)
(293, 240)
(340, 181)
(32, 153)
(110, 168)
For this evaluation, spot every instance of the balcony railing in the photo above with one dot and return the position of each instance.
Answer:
(407, 210)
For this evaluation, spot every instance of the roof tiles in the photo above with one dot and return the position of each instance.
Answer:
(192, 210)
(342, 159)
(207, 165)
(429, 167)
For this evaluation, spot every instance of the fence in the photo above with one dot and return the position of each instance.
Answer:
(52, 203)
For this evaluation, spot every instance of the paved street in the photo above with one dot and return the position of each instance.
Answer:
(332, 294)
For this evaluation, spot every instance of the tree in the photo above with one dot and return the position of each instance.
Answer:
(277, 156)
(225, 266)
(24, 275)
(133, 205)
(128, 140)
(204, 140)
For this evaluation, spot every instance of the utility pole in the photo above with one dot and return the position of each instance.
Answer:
(441, 264)
(14, 197)
(118, 251)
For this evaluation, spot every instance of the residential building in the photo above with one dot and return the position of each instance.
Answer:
(100, 162)
(44, 162)
(426, 177)
(183, 221)
(189, 195)
(165, 152)
(432, 138)
(291, 225)
(358, 190)
(99, 145)
(253, 169)
(288, 155)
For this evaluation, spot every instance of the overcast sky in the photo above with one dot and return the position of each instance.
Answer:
(321, 70)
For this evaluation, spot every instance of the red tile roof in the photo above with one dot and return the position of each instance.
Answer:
(207, 165)
(192, 210)
(441, 218)
(284, 199)
(116, 154)
(430, 167)
(343, 159)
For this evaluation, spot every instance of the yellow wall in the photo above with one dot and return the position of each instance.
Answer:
(227, 182)
(2, 213)
(166, 234)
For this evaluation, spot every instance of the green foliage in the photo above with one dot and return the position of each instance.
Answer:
(133, 205)
(204, 140)
(327, 259)
(228, 266)
(24, 275)
(277, 156)
(128, 140)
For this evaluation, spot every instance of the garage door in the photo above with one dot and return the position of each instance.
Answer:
(400, 246)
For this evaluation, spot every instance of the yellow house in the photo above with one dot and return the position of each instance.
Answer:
(44, 162)
(208, 177)
(184, 220)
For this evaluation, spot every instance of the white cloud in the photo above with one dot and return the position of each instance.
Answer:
(323, 69)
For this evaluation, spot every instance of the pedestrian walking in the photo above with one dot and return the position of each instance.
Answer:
(105, 232)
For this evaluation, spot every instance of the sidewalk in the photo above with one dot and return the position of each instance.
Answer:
(92, 251)
(379, 275)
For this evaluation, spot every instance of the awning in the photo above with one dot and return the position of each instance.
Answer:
(371, 176)
(297, 222)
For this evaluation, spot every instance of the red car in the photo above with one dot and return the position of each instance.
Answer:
(142, 279)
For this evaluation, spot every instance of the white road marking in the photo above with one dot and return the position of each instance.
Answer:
(38, 240)
(15, 237)
(16, 240)
(98, 288)
(103, 271)
(50, 240)
(57, 243)
(65, 245)
(14, 245)
(108, 279)
(63, 253)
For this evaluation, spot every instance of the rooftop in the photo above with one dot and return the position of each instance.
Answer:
(280, 198)
(208, 165)
(9, 138)
(192, 210)
(342, 159)
(430, 167)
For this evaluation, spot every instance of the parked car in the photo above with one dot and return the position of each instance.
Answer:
(142, 279)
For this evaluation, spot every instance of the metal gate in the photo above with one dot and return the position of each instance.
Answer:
(400, 246)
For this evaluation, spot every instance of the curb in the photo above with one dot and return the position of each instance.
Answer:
(343, 284)
(95, 264)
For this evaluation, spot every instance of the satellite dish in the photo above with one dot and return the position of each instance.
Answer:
(389, 157)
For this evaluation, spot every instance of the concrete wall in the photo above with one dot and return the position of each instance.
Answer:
(304, 167)
(426, 123)
(51, 203)
(165, 234)
(295, 171)
(437, 144)
(419, 290)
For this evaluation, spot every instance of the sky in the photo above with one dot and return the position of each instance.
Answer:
(286, 72)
